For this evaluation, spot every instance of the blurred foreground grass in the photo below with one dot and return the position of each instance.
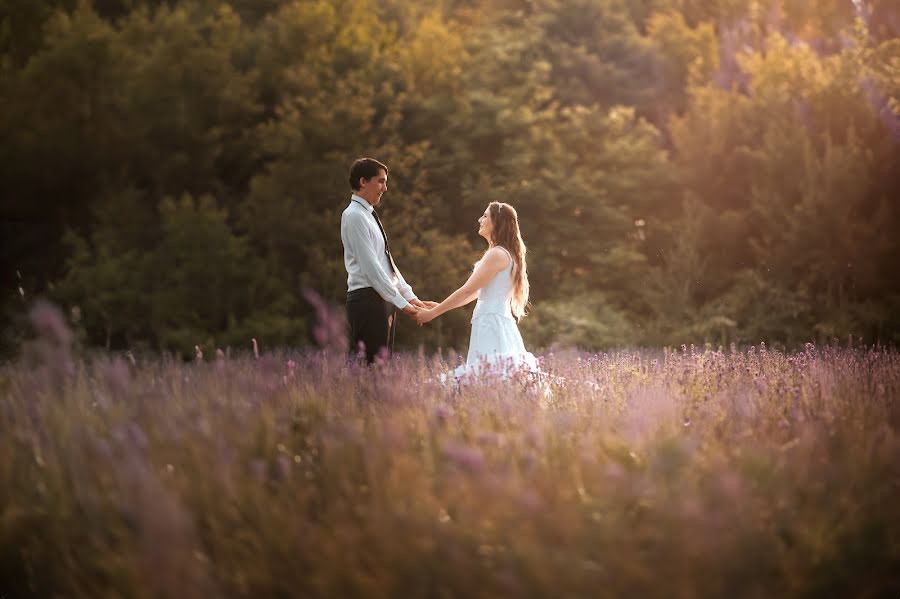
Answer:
(685, 474)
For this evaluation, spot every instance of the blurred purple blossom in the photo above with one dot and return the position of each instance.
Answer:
(258, 469)
(50, 324)
(284, 464)
(467, 458)
(442, 413)
(116, 376)
(52, 347)
(542, 476)
(330, 330)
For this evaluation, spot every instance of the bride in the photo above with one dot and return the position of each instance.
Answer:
(500, 284)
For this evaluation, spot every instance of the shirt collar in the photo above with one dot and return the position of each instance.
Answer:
(359, 200)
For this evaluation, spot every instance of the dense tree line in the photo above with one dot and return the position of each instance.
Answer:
(173, 172)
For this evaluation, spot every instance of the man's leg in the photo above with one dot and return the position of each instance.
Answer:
(368, 322)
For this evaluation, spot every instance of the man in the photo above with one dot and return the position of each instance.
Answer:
(375, 287)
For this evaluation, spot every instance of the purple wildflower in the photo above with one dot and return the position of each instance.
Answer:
(330, 330)
(466, 458)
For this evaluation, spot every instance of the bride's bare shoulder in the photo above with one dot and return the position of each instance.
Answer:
(495, 257)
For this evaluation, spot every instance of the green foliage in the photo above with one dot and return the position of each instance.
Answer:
(193, 283)
(582, 320)
(803, 178)
(700, 170)
(684, 53)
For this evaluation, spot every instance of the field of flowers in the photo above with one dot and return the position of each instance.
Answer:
(698, 472)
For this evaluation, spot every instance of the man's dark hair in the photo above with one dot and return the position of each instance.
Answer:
(364, 168)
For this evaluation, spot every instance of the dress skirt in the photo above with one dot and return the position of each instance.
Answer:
(496, 350)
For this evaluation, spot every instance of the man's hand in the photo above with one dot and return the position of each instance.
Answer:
(411, 310)
(424, 305)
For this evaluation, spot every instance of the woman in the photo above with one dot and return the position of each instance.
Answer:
(500, 283)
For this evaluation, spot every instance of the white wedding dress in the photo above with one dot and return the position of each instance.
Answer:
(496, 349)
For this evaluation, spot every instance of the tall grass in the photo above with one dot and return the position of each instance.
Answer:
(695, 473)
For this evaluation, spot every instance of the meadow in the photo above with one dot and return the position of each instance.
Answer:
(689, 472)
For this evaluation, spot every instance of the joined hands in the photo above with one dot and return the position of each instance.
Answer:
(424, 316)
(417, 308)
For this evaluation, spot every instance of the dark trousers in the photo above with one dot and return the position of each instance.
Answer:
(371, 322)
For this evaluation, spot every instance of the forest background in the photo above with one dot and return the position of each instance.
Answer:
(723, 171)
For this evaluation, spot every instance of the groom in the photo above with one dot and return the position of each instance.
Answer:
(375, 287)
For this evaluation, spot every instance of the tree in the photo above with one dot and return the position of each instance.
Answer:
(194, 283)
(683, 53)
(803, 179)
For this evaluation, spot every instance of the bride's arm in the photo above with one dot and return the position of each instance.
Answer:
(492, 263)
(470, 299)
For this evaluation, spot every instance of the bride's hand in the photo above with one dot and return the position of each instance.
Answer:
(423, 316)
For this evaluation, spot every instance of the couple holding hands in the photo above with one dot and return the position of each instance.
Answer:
(376, 289)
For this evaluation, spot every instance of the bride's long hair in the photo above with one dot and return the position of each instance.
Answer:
(506, 233)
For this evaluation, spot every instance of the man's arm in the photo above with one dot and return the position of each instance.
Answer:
(407, 292)
(356, 235)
